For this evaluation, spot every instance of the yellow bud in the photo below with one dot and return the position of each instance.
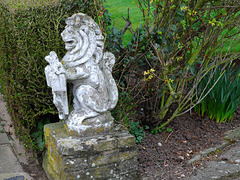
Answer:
(152, 70)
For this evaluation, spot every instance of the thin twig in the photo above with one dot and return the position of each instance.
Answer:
(168, 137)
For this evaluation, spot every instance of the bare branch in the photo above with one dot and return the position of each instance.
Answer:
(128, 23)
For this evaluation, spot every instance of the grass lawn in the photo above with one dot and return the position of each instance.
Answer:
(234, 43)
(119, 9)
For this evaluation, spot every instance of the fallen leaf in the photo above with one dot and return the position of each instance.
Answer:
(181, 157)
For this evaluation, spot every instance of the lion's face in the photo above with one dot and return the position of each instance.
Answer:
(71, 39)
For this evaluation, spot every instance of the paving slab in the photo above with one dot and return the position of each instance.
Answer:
(226, 166)
(12, 153)
(3, 114)
(217, 170)
(8, 160)
(4, 139)
(5, 119)
(232, 155)
(233, 135)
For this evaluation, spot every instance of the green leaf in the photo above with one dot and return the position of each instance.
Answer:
(41, 145)
(173, 27)
(169, 130)
(40, 126)
(39, 140)
(36, 134)
(147, 127)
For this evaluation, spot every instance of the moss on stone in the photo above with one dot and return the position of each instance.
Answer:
(102, 157)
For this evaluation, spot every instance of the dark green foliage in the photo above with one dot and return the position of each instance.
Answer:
(27, 36)
(136, 130)
(38, 135)
(157, 130)
(224, 98)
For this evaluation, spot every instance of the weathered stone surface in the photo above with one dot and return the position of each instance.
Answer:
(4, 139)
(105, 172)
(109, 143)
(209, 151)
(100, 125)
(89, 71)
(11, 164)
(217, 170)
(232, 155)
(226, 166)
(233, 135)
(194, 159)
(128, 165)
(1, 129)
(111, 156)
(126, 141)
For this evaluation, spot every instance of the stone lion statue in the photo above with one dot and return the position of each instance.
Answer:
(89, 71)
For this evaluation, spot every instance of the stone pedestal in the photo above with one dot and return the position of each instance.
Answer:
(107, 156)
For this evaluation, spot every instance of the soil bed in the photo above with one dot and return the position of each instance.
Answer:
(165, 155)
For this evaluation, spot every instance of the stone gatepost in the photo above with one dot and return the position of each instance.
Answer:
(87, 144)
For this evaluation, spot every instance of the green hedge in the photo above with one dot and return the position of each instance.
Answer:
(27, 35)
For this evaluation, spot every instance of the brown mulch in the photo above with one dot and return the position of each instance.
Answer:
(165, 155)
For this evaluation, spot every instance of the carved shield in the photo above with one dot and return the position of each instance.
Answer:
(58, 84)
